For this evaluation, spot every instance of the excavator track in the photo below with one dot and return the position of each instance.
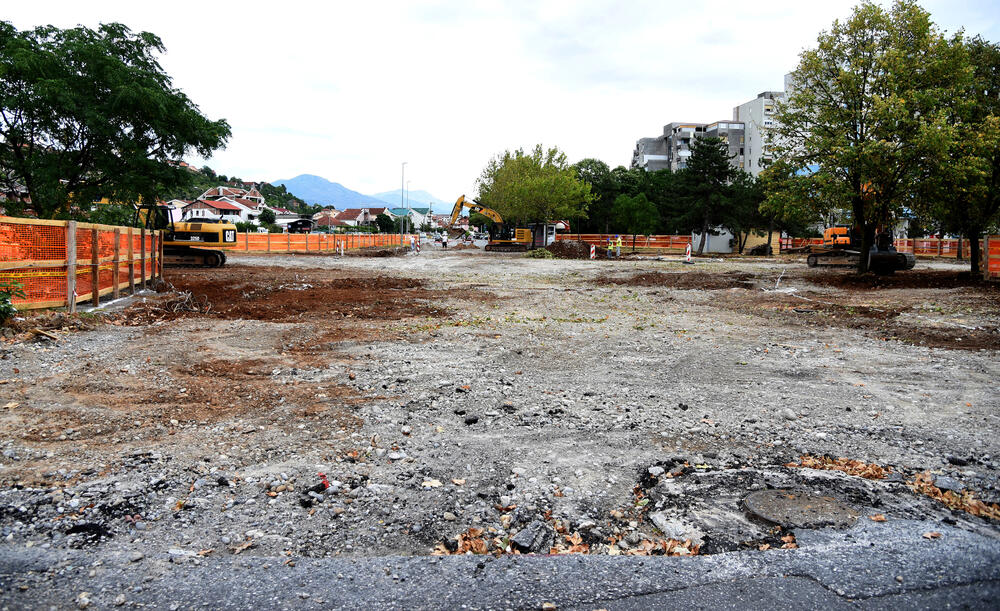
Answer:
(193, 257)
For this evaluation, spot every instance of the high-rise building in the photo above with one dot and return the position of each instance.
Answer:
(757, 115)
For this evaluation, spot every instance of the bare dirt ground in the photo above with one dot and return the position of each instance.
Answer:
(468, 401)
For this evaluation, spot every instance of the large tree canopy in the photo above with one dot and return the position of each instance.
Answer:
(963, 194)
(537, 186)
(866, 110)
(89, 113)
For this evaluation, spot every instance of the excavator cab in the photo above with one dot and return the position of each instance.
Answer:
(185, 242)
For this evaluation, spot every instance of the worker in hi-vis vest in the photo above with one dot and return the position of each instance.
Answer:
(618, 247)
(610, 249)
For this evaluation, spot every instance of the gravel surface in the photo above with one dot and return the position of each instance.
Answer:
(471, 401)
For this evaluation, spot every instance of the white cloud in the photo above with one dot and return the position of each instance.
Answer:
(350, 90)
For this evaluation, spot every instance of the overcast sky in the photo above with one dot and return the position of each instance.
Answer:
(350, 90)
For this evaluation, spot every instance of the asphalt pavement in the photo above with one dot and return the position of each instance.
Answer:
(883, 565)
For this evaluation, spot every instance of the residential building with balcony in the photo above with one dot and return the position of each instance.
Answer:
(673, 149)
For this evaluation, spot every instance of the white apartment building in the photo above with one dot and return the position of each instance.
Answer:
(757, 115)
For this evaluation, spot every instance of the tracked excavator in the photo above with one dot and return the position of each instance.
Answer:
(508, 238)
(842, 246)
(187, 243)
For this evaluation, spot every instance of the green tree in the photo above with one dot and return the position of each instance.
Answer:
(635, 215)
(384, 223)
(604, 189)
(538, 186)
(963, 194)
(866, 111)
(791, 202)
(703, 188)
(742, 215)
(91, 113)
(267, 217)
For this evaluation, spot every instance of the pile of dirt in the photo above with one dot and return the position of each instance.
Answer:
(461, 246)
(685, 281)
(275, 294)
(574, 250)
(923, 279)
(380, 251)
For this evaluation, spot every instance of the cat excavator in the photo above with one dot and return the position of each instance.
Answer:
(187, 243)
(507, 238)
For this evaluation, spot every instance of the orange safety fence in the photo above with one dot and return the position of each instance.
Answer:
(991, 268)
(921, 247)
(315, 242)
(673, 242)
(33, 253)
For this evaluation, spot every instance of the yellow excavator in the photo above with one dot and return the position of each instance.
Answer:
(188, 243)
(507, 238)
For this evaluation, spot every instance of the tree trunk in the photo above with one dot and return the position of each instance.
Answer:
(867, 241)
(704, 233)
(633, 242)
(974, 251)
(960, 256)
(770, 232)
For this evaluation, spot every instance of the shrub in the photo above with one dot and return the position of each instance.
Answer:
(8, 291)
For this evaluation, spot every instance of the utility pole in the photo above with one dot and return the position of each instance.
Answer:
(409, 213)
(402, 184)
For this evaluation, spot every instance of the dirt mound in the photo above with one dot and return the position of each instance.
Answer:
(924, 279)
(463, 247)
(265, 293)
(379, 251)
(574, 250)
(685, 280)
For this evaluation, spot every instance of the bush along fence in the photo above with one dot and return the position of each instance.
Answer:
(62, 263)
(315, 242)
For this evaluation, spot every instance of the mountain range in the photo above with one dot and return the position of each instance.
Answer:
(318, 190)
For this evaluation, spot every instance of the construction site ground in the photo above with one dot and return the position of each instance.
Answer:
(292, 408)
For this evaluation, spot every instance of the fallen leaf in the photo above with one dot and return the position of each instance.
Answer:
(788, 538)
(878, 517)
(432, 483)
(205, 552)
(764, 547)
(243, 546)
(12, 405)
(932, 535)
(458, 482)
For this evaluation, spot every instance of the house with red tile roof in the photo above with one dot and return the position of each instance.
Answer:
(212, 210)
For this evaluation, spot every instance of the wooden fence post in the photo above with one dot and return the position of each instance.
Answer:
(268, 241)
(142, 258)
(115, 292)
(288, 242)
(71, 266)
(131, 261)
(159, 241)
(246, 241)
(95, 268)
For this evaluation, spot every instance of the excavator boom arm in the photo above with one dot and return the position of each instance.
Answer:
(474, 206)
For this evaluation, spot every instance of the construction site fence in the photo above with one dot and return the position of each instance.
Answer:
(920, 247)
(670, 242)
(63, 263)
(316, 242)
(991, 263)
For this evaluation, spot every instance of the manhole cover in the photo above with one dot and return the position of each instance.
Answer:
(799, 510)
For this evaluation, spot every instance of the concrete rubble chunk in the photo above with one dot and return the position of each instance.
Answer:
(535, 538)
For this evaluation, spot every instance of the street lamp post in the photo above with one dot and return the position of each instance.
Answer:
(409, 214)
(402, 184)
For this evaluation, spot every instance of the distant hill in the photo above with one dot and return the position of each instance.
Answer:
(418, 199)
(318, 190)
